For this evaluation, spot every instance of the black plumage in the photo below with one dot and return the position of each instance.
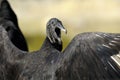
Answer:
(30, 66)
(9, 21)
(89, 56)
(43, 61)
(10, 56)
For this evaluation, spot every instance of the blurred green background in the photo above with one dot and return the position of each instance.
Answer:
(77, 16)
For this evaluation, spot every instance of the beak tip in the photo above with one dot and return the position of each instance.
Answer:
(64, 31)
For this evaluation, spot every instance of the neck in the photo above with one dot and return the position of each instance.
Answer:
(49, 45)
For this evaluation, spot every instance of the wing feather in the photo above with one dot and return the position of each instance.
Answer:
(92, 56)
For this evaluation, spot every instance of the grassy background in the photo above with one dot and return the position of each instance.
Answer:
(77, 16)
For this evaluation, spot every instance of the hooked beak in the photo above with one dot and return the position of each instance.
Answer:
(64, 30)
(61, 27)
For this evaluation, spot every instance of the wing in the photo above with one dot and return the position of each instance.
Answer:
(9, 19)
(92, 56)
(7, 13)
(8, 49)
(10, 57)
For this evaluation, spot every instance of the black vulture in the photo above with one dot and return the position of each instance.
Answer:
(9, 21)
(89, 56)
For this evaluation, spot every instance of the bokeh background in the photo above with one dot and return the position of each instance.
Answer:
(77, 16)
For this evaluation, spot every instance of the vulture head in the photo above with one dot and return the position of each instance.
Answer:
(54, 28)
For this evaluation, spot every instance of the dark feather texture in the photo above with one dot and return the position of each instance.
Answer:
(9, 21)
(43, 61)
(30, 66)
(89, 57)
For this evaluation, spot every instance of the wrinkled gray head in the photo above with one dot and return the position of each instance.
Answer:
(54, 27)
